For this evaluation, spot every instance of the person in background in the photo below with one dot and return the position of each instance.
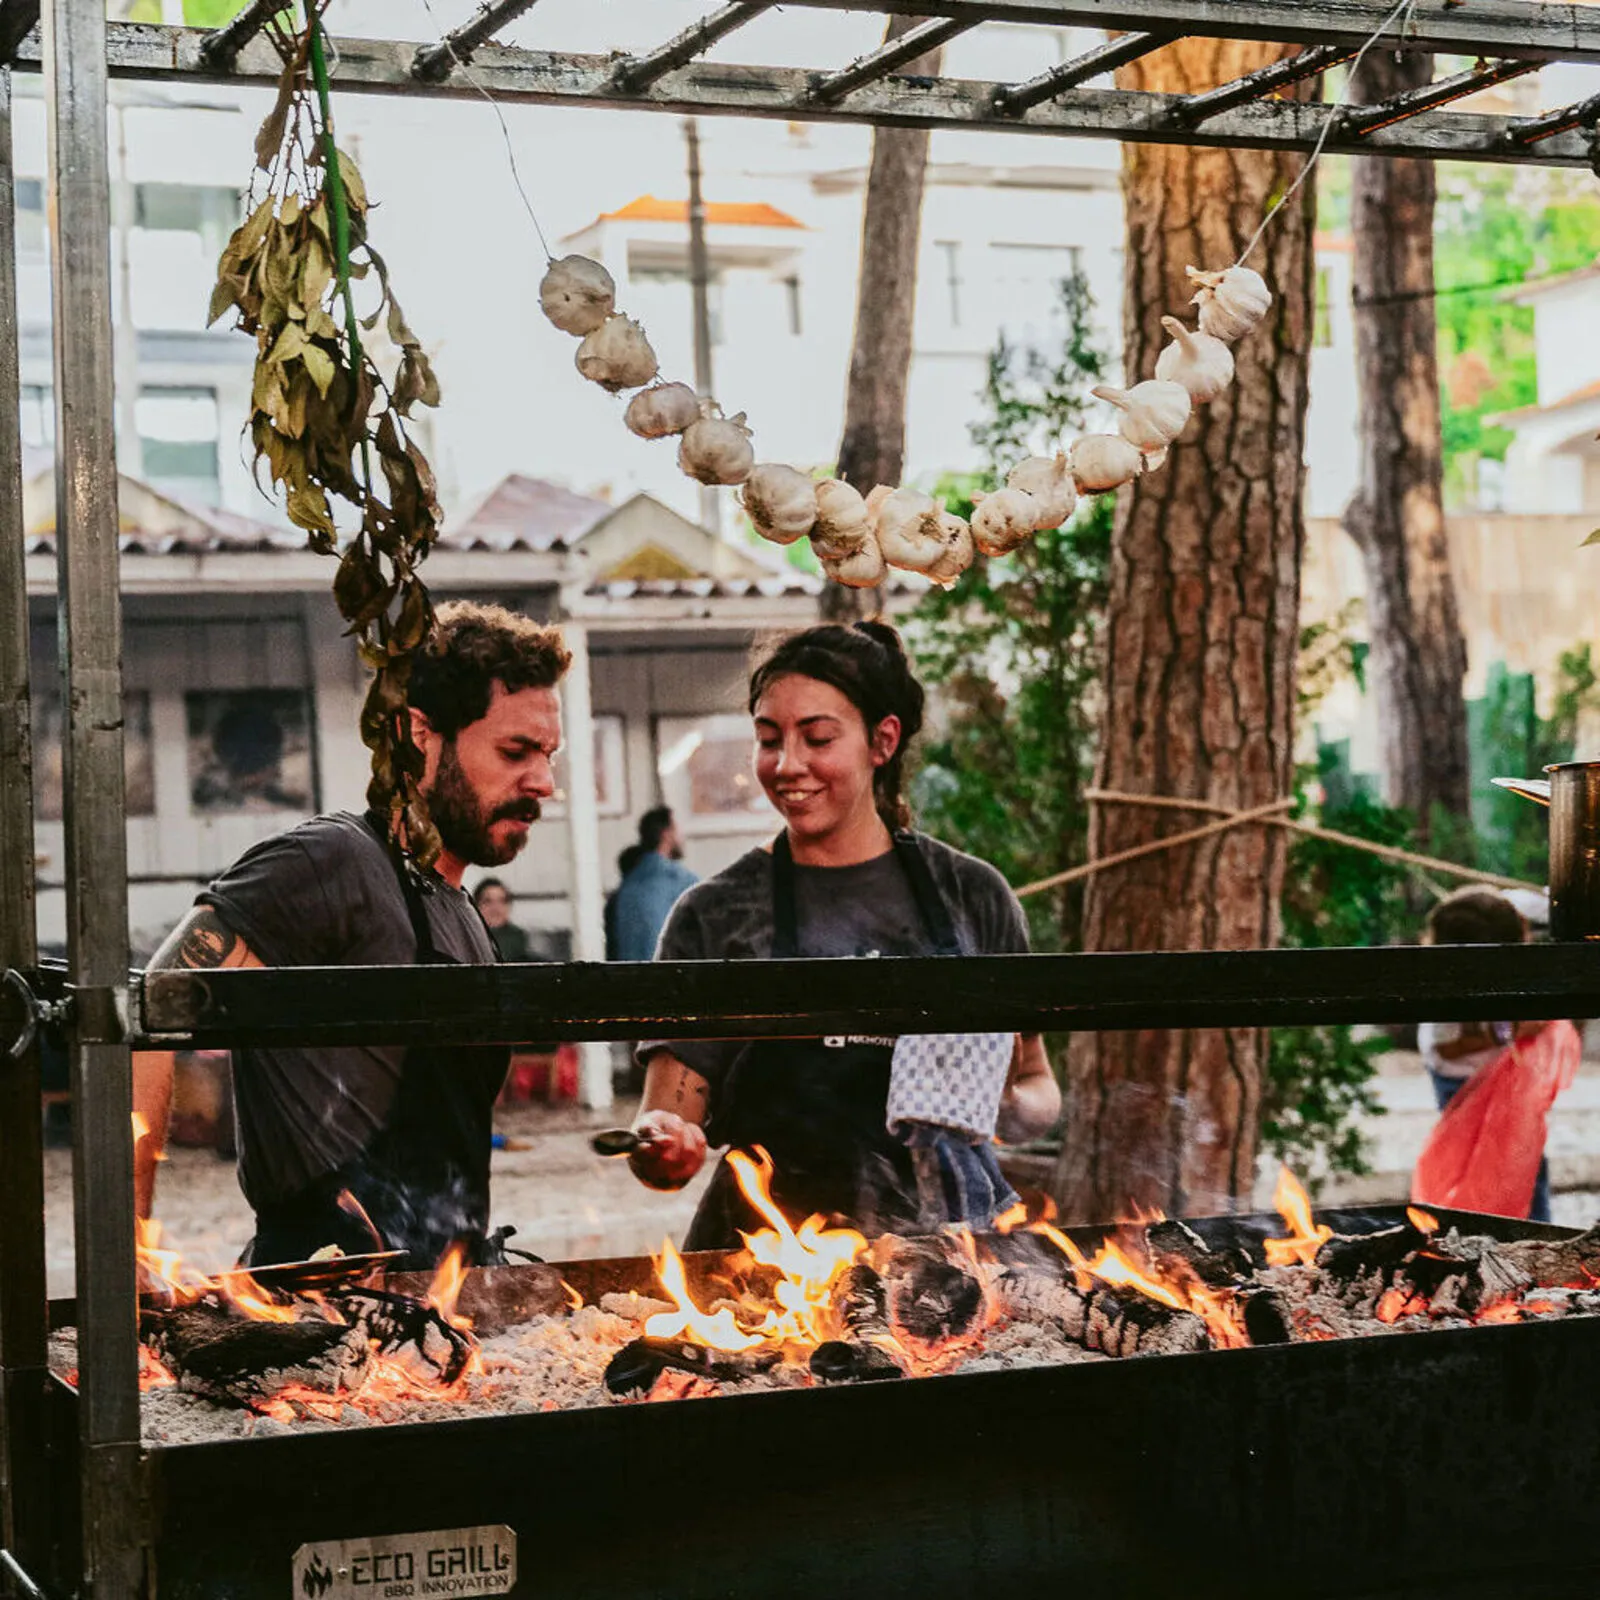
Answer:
(887, 1133)
(1454, 1051)
(651, 889)
(627, 860)
(493, 901)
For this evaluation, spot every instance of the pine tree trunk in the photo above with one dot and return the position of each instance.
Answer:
(1396, 517)
(1201, 639)
(873, 447)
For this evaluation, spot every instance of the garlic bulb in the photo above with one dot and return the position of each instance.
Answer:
(781, 502)
(1003, 520)
(617, 355)
(875, 499)
(1153, 413)
(1048, 481)
(909, 532)
(862, 568)
(958, 550)
(716, 450)
(662, 409)
(1201, 362)
(1232, 302)
(842, 526)
(577, 294)
(1155, 460)
(1103, 461)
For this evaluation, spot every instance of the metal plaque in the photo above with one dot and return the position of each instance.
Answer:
(450, 1562)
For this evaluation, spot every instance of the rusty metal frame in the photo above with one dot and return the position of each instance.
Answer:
(78, 51)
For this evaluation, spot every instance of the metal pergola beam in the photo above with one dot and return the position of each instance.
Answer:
(890, 57)
(434, 63)
(1368, 119)
(531, 77)
(770, 999)
(636, 73)
(24, 1319)
(221, 47)
(1537, 32)
(94, 808)
(1013, 99)
(1191, 111)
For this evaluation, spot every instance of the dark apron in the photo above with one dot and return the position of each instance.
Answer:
(817, 1107)
(423, 1181)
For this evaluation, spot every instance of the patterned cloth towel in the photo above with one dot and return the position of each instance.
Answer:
(958, 1179)
(951, 1080)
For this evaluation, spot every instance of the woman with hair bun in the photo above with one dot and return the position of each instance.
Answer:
(888, 1135)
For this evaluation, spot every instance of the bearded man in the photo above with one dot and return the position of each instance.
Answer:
(368, 1146)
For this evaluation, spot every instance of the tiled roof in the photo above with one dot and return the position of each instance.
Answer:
(195, 530)
(777, 587)
(523, 513)
(1590, 391)
(719, 213)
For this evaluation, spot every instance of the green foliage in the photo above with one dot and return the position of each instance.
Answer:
(1318, 1083)
(1014, 647)
(1511, 740)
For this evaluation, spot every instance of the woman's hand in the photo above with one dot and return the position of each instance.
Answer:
(671, 1152)
(1032, 1099)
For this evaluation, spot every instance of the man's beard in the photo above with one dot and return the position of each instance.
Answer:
(465, 824)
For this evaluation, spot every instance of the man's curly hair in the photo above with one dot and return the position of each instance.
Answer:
(473, 647)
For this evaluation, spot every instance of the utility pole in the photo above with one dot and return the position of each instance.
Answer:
(700, 284)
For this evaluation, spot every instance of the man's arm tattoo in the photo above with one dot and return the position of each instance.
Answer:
(202, 940)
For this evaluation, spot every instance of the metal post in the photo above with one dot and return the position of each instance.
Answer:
(24, 1324)
(94, 808)
(583, 821)
(700, 287)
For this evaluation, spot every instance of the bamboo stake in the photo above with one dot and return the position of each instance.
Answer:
(1388, 852)
(1231, 819)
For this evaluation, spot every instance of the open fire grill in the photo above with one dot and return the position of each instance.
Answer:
(1157, 1408)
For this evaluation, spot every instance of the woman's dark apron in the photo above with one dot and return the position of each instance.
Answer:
(817, 1106)
(423, 1181)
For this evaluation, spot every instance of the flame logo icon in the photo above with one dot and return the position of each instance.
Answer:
(317, 1578)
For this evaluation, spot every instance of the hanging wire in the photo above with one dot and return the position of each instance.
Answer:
(1404, 8)
(505, 132)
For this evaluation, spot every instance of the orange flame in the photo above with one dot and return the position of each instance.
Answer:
(1113, 1266)
(141, 1132)
(720, 1331)
(1011, 1218)
(247, 1297)
(1305, 1236)
(1422, 1221)
(352, 1207)
(574, 1299)
(445, 1290)
(810, 1258)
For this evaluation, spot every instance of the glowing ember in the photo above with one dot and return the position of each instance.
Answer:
(1502, 1311)
(1395, 1303)
(1422, 1221)
(1305, 1237)
(719, 1330)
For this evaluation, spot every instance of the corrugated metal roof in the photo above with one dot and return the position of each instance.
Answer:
(523, 513)
(779, 586)
(194, 530)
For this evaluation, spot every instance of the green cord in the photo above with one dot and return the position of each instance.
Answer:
(338, 207)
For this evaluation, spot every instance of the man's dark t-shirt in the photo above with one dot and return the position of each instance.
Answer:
(324, 894)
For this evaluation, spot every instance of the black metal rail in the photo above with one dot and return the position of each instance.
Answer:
(711, 999)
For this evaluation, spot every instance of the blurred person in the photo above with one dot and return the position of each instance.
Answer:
(652, 887)
(493, 901)
(1454, 1052)
(369, 1146)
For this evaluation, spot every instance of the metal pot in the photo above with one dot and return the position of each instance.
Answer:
(1572, 792)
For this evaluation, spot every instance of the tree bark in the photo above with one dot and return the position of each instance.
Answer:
(1201, 638)
(1396, 517)
(873, 447)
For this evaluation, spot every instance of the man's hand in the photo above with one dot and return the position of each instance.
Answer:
(672, 1150)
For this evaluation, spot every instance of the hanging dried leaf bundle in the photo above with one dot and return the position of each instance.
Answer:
(321, 410)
